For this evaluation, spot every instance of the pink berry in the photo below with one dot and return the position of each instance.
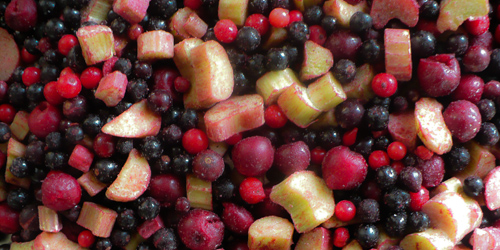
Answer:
(279, 17)
(418, 199)
(432, 171)
(167, 188)
(439, 75)
(21, 15)
(253, 156)
(274, 116)
(208, 165)
(60, 191)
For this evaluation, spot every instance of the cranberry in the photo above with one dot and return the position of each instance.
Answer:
(60, 191)
(253, 156)
(181, 84)
(44, 119)
(201, 230)
(252, 191)
(318, 34)
(296, 16)
(349, 137)
(167, 188)
(236, 218)
(69, 85)
(21, 15)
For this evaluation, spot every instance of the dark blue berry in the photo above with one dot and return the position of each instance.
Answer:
(148, 209)
(473, 186)
(457, 159)
(423, 44)
(411, 179)
(377, 118)
(360, 23)
(395, 224)
(367, 235)
(247, 39)
(488, 134)
(397, 200)
(151, 148)
(276, 59)
(418, 222)
(298, 33)
(106, 170)
(344, 71)
(368, 211)
(5, 132)
(386, 177)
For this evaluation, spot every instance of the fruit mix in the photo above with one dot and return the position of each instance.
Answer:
(249, 124)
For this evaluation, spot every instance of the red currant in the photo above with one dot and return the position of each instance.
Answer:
(377, 159)
(419, 199)
(258, 22)
(7, 113)
(225, 31)
(345, 210)
(66, 71)
(66, 43)
(317, 155)
(135, 31)
(477, 25)
(274, 116)
(193, 4)
(181, 84)
(279, 17)
(349, 137)
(27, 57)
(69, 86)
(51, 94)
(295, 16)
(318, 34)
(340, 237)
(91, 77)
(86, 239)
(396, 151)
(31, 75)
(384, 85)
(234, 139)
(194, 141)
(252, 190)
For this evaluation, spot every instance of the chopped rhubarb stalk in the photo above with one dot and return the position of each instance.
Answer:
(482, 161)
(270, 232)
(235, 11)
(81, 158)
(98, 219)
(97, 43)
(326, 92)
(398, 53)
(90, 183)
(199, 192)
(195, 26)
(177, 22)
(19, 126)
(49, 220)
(149, 227)
(50, 241)
(155, 45)
(317, 61)
(131, 10)
(343, 11)
(454, 12)
(431, 127)
(112, 88)
(384, 10)
(273, 83)
(297, 106)
(96, 11)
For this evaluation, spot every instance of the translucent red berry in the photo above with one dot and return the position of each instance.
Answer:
(345, 210)
(252, 191)
(225, 31)
(384, 85)
(279, 17)
(274, 116)
(194, 141)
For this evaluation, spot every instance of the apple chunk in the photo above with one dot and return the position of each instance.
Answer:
(133, 179)
(270, 232)
(136, 122)
(431, 127)
(306, 198)
(10, 55)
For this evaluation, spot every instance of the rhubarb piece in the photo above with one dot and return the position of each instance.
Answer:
(136, 122)
(296, 105)
(485, 238)
(430, 239)
(90, 183)
(385, 241)
(3, 189)
(302, 5)
(15, 149)
(97, 43)
(10, 55)
(155, 45)
(270, 232)
(134, 242)
(81, 158)
(384, 10)
(482, 161)
(29, 245)
(361, 86)
(133, 179)
(273, 83)
(439, 75)
(214, 76)
(353, 245)
(343, 11)
(96, 11)
(199, 192)
(317, 61)
(19, 126)
(50, 241)
(195, 26)
(235, 115)
(235, 11)
(276, 37)
(334, 222)
(96, 218)
(149, 227)
(431, 127)
(453, 13)
(49, 220)
(112, 88)
(182, 56)
(447, 211)
(343, 169)
(177, 22)
(307, 199)
(402, 128)
(326, 92)
(318, 238)
(131, 10)
(398, 53)
(491, 189)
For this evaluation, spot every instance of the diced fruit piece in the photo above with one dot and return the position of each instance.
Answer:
(131, 10)
(235, 11)
(306, 198)
(343, 11)
(49, 220)
(273, 83)
(136, 122)
(439, 75)
(10, 55)
(318, 238)
(326, 92)
(149, 227)
(430, 239)
(81, 158)
(112, 88)
(360, 87)
(384, 10)
(214, 76)
(402, 128)
(453, 13)
(482, 161)
(182, 56)
(19, 126)
(302, 5)
(96, 11)
(398, 52)
(431, 127)
(491, 189)
(133, 179)
(385, 241)
(447, 212)
(97, 43)
(270, 232)
(49, 241)
(235, 115)
(90, 183)
(485, 238)
(15, 149)
(96, 218)
(199, 192)
(343, 169)
(29, 245)
(195, 26)
(155, 45)
(276, 37)
(297, 106)
(317, 61)
(177, 22)
(334, 222)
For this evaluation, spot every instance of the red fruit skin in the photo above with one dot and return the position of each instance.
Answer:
(343, 169)
(343, 45)
(164, 79)
(21, 15)
(60, 191)
(463, 119)
(201, 230)
(432, 171)
(253, 156)
(470, 88)
(292, 157)
(166, 188)
(9, 218)
(419, 199)
(44, 119)
(236, 218)
(439, 75)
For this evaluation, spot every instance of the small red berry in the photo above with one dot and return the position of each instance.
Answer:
(340, 237)
(252, 190)
(181, 84)
(317, 155)
(194, 141)
(225, 31)
(66, 43)
(345, 210)
(31, 75)
(279, 17)
(417, 200)
(86, 239)
(384, 85)
(66, 71)
(91, 77)
(69, 86)
(135, 31)
(44, 44)
(7, 113)
(349, 137)
(193, 4)
(296, 16)
(396, 150)
(398, 166)
(258, 22)
(477, 25)
(318, 34)
(377, 159)
(274, 116)
(423, 153)
(51, 95)
(234, 139)
(27, 57)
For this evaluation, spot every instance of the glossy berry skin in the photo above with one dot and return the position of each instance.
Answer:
(167, 188)
(463, 119)
(386, 177)
(384, 85)
(295, 16)
(279, 17)
(411, 179)
(225, 31)
(194, 141)
(248, 39)
(106, 170)
(360, 23)
(66, 43)
(276, 59)
(252, 191)
(345, 210)
(274, 116)
(86, 239)
(418, 199)
(69, 86)
(317, 155)
(201, 230)
(349, 113)
(395, 224)
(396, 151)
(488, 134)
(473, 186)
(378, 159)
(148, 208)
(418, 222)
(258, 22)
(253, 156)
(397, 200)
(344, 71)
(44, 119)
(31, 76)
(340, 237)
(60, 191)
(367, 235)
(91, 77)
(478, 25)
